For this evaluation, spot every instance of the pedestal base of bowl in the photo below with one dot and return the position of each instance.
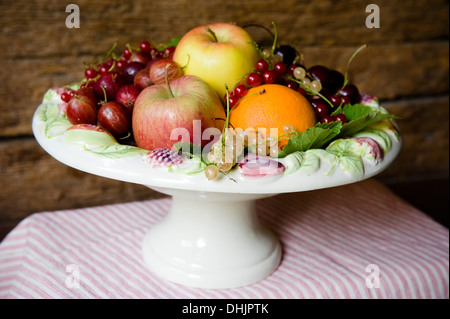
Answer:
(211, 240)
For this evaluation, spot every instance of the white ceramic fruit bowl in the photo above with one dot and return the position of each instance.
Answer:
(212, 237)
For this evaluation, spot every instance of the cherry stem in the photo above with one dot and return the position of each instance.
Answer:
(350, 61)
(213, 34)
(275, 37)
(259, 26)
(310, 90)
(166, 76)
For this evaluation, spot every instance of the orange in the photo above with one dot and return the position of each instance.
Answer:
(277, 108)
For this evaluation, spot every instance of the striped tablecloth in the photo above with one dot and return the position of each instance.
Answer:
(353, 241)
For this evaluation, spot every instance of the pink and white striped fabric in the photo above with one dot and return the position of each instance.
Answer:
(353, 241)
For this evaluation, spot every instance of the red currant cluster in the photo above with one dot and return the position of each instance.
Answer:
(110, 87)
(324, 88)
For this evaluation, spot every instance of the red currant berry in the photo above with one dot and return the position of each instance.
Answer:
(270, 77)
(65, 97)
(168, 52)
(240, 90)
(233, 100)
(120, 65)
(126, 53)
(72, 94)
(279, 68)
(341, 117)
(262, 66)
(103, 69)
(109, 63)
(145, 46)
(254, 79)
(90, 73)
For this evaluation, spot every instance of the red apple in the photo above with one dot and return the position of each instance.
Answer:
(220, 53)
(160, 109)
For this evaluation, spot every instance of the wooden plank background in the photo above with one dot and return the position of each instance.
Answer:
(406, 65)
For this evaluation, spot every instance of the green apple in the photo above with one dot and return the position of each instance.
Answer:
(219, 53)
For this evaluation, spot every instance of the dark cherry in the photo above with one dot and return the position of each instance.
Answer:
(327, 119)
(292, 85)
(341, 117)
(131, 69)
(336, 100)
(352, 92)
(320, 107)
(322, 74)
(337, 81)
(287, 52)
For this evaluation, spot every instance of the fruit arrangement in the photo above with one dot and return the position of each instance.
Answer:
(216, 98)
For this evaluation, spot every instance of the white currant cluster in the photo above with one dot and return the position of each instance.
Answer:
(229, 149)
(300, 74)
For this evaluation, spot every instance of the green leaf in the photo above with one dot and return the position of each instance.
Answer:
(361, 116)
(172, 43)
(314, 137)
